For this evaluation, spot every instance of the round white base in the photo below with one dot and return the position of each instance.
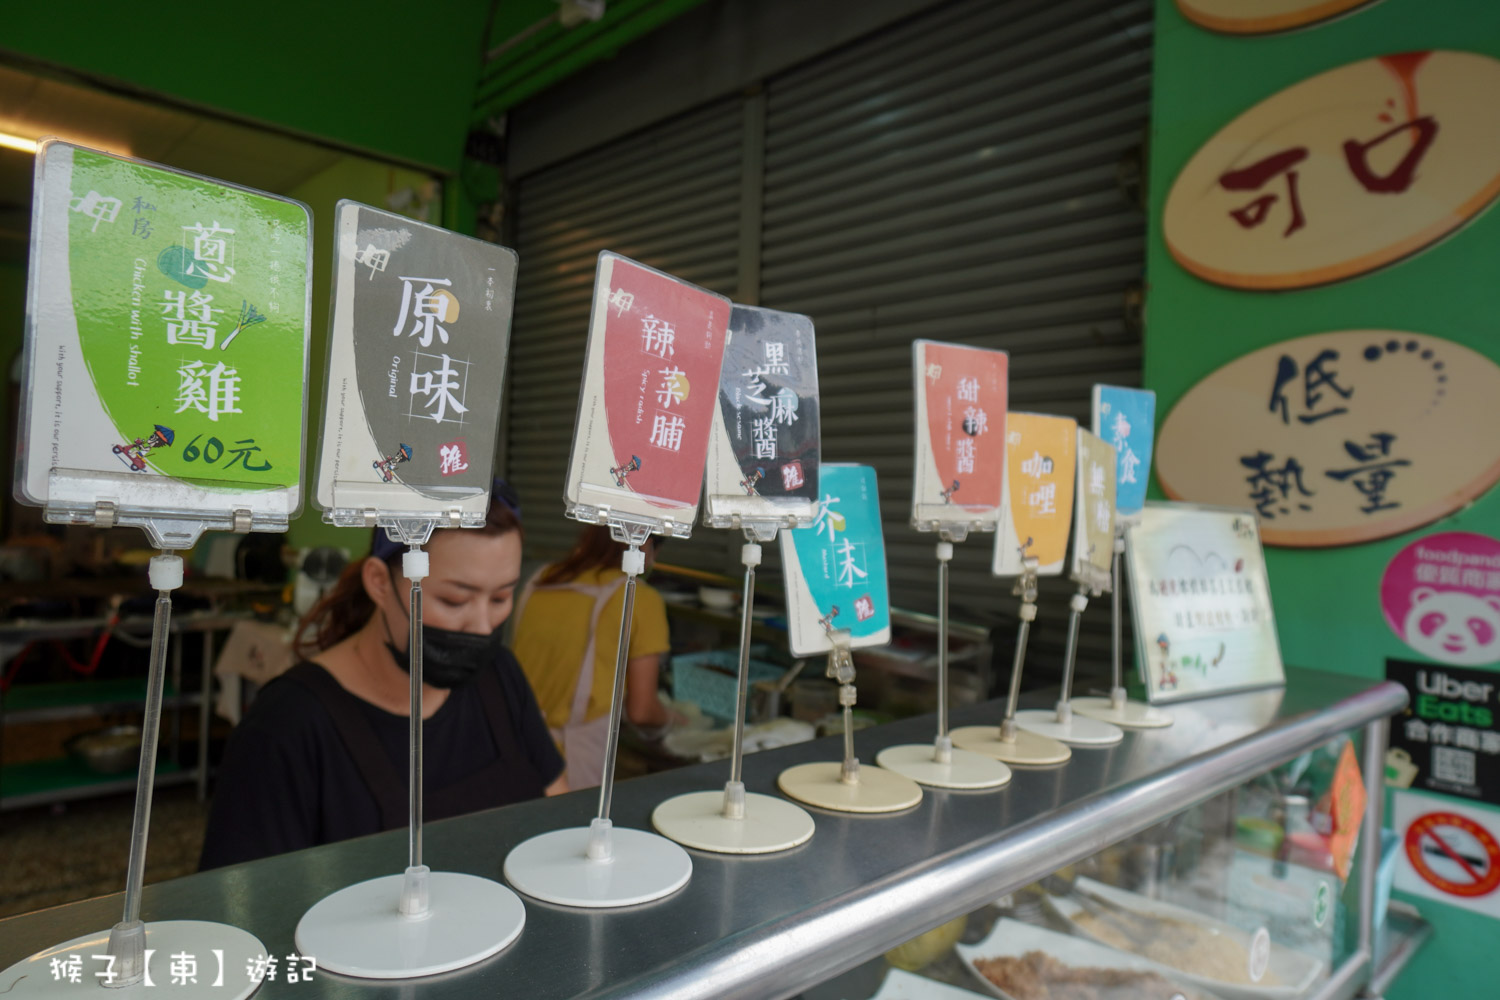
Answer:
(359, 931)
(697, 820)
(202, 939)
(1079, 731)
(555, 867)
(966, 769)
(878, 791)
(1027, 748)
(1132, 715)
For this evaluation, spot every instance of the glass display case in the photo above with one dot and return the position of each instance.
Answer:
(1242, 896)
(1192, 861)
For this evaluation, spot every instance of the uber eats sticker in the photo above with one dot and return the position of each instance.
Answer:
(1447, 740)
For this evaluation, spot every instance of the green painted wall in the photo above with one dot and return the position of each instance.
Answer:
(1327, 601)
(384, 76)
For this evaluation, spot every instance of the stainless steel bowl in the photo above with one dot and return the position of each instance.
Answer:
(111, 750)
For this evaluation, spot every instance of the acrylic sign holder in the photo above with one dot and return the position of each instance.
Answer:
(1093, 529)
(1008, 742)
(734, 821)
(133, 957)
(636, 313)
(940, 764)
(68, 324)
(1127, 417)
(421, 922)
(599, 866)
(1117, 709)
(1060, 723)
(845, 786)
(418, 922)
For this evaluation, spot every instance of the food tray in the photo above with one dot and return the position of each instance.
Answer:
(1012, 938)
(1294, 972)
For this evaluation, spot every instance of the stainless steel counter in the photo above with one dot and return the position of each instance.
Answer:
(770, 926)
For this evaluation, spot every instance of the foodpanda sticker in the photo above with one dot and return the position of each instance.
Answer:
(1441, 596)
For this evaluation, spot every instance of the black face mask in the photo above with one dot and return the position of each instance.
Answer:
(449, 658)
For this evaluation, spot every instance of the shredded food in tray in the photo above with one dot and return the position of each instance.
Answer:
(1198, 951)
(1038, 976)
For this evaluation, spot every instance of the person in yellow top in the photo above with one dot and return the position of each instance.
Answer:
(566, 637)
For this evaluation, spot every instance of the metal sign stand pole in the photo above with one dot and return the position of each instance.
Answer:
(1060, 723)
(1118, 708)
(940, 765)
(736, 822)
(414, 891)
(1117, 678)
(601, 841)
(845, 786)
(127, 940)
(138, 953)
(1007, 742)
(600, 866)
(420, 922)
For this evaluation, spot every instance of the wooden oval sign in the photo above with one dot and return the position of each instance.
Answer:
(1259, 17)
(1338, 438)
(1342, 173)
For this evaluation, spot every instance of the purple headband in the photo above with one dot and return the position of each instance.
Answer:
(384, 549)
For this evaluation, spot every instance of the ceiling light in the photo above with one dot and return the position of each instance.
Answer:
(17, 142)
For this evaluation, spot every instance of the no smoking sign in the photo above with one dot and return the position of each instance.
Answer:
(1449, 853)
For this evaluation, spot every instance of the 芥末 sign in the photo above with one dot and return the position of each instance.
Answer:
(835, 567)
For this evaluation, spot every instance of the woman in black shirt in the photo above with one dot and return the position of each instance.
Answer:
(322, 754)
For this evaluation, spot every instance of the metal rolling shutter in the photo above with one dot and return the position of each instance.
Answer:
(954, 177)
(668, 196)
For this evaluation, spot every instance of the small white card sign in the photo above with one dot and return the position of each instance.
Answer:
(1202, 602)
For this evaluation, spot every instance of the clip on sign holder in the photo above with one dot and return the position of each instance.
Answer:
(736, 822)
(421, 922)
(1060, 723)
(135, 955)
(598, 866)
(1009, 742)
(939, 764)
(845, 786)
(1117, 708)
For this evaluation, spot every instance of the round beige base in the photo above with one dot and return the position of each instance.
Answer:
(965, 770)
(1027, 749)
(1132, 715)
(697, 820)
(878, 791)
(1079, 731)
